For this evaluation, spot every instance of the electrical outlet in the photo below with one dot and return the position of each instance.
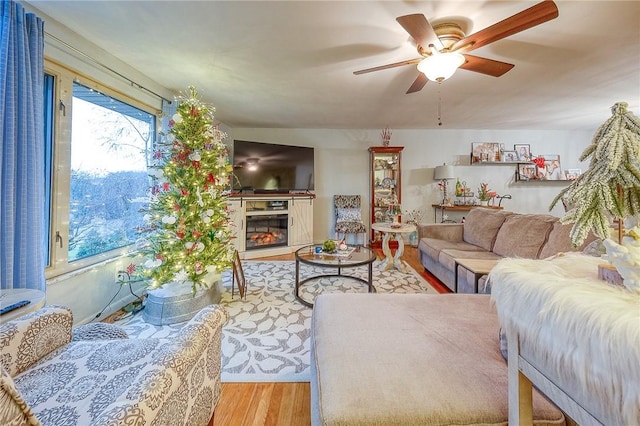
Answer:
(121, 276)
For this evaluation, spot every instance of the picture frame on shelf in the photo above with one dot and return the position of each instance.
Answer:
(509, 156)
(483, 152)
(572, 174)
(552, 168)
(523, 151)
(527, 172)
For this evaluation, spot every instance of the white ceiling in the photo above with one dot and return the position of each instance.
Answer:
(289, 64)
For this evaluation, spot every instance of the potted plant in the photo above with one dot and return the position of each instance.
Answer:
(484, 194)
(609, 190)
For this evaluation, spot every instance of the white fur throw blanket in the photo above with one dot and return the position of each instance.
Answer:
(583, 333)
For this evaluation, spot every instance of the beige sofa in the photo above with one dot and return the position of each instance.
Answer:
(410, 359)
(49, 379)
(491, 235)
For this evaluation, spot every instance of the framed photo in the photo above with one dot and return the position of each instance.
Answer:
(552, 169)
(485, 152)
(509, 156)
(572, 174)
(523, 152)
(527, 172)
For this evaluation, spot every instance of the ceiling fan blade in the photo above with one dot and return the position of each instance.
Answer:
(418, 84)
(535, 15)
(485, 66)
(420, 29)
(384, 67)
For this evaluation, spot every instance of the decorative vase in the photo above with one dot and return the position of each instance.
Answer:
(484, 203)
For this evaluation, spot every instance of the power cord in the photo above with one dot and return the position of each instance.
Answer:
(108, 304)
(125, 278)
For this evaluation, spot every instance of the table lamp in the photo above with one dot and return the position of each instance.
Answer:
(444, 173)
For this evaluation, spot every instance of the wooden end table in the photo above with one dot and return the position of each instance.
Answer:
(389, 231)
(478, 267)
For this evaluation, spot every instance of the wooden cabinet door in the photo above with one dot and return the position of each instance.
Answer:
(301, 222)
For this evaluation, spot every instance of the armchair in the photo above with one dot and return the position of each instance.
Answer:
(348, 216)
(50, 378)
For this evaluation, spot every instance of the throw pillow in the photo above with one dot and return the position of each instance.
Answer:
(349, 215)
(99, 331)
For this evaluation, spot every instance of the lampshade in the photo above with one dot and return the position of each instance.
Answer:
(440, 66)
(443, 172)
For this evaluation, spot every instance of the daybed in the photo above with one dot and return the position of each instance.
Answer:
(491, 235)
(410, 359)
(48, 378)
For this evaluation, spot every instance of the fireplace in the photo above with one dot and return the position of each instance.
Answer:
(265, 231)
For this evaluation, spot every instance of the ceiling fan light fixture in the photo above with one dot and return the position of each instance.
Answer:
(440, 66)
(252, 164)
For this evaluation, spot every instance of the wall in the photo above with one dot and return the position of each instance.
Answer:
(342, 165)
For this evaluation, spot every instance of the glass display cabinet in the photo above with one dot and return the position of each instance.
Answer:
(385, 198)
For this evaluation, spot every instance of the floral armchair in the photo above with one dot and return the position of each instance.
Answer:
(48, 378)
(349, 215)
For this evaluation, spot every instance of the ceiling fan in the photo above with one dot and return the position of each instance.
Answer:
(443, 48)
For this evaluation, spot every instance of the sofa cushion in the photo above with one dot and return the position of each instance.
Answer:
(523, 235)
(559, 241)
(481, 226)
(432, 247)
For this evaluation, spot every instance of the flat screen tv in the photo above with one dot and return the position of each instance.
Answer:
(261, 167)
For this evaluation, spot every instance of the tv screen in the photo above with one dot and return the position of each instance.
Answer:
(266, 167)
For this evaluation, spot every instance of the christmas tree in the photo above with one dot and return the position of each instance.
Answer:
(611, 185)
(187, 222)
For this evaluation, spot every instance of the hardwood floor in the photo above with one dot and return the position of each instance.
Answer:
(259, 404)
(274, 404)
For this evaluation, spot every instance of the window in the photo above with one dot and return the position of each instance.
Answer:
(99, 184)
(109, 142)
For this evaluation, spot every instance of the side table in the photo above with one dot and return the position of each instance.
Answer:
(11, 296)
(478, 267)
(388, 230)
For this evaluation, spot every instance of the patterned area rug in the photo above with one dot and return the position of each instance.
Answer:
(267, 336)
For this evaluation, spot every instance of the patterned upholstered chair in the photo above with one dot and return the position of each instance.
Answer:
(349, 216)
(53, 375)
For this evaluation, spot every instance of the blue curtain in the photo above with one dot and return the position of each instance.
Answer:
(22, 154)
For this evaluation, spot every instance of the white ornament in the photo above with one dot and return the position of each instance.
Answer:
(177, 118)
(181, 276)
(152, 263)
(188, 245)
(200, 202)
(199, 246)
(195, 156)
(209, 212)
(169, 220)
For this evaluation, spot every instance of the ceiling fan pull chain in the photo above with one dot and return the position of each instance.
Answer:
(439, 107)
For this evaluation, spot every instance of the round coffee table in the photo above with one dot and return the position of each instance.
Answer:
(359, 256)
